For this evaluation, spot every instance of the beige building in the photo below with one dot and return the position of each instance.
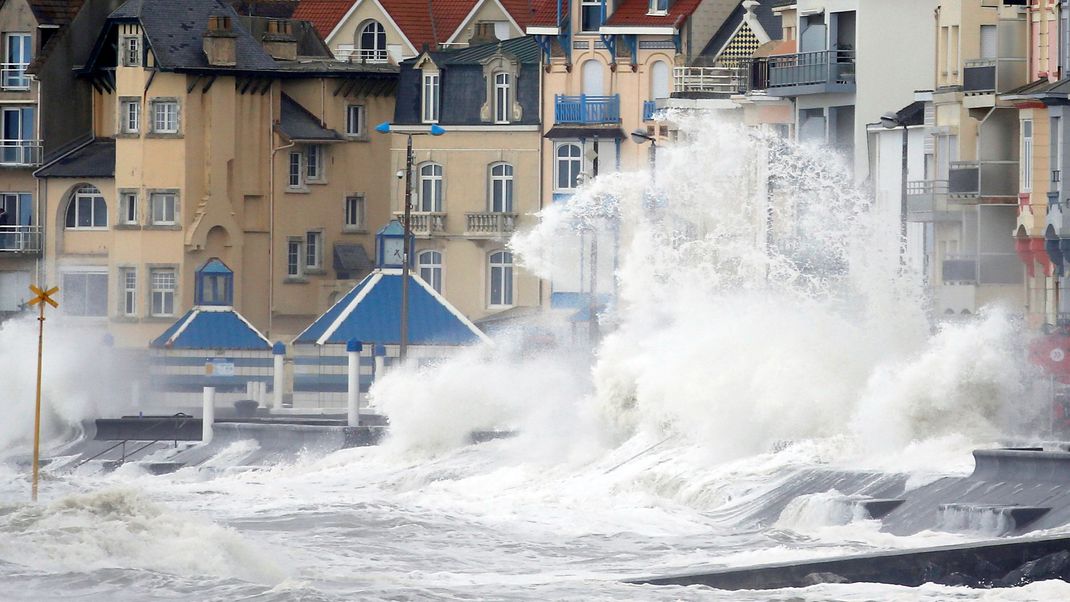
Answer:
(213, 137)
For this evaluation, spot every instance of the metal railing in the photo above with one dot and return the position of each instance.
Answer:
(709, 80)
(812, 68)
(13, 76)
(971, 179)
(586, 109)
(926, 200)
(489, 223)
(425, 223)
(20, 152)
(979, 76)
(20, 239)
(361, 55)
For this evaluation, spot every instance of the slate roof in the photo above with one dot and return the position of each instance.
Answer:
(633, 13)
(524, 49)
(764, 12)
(276, 9)
(371, 313)
(95, 159)
(55, 12)
(212, 328)
(296, 123)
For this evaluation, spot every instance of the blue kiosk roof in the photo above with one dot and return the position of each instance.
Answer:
(371, 313)
(212, 327)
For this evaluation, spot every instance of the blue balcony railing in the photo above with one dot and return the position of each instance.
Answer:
(586, 109)
(649, 108)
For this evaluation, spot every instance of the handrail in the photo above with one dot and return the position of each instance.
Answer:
(182, 423)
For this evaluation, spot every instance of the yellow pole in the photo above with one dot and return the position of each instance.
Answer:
(37, 409)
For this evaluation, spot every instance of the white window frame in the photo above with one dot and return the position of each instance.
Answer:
(432, 182)
(314, 157)
(504, 277)
(131, 51)
(165, 116)
(570, 160)
(354, 212)
(658, 7)
(1026, 175)
(163, 293)
(14, 71)
(501, 179)
(67, 304)
(295, 170)
(432, 90)
(430, 261)
(502, 97)
(313, 250)
(294, 258)
(129, 288)
(584, 4)
(130, 116)
(376, 52)
(128, 208)
(355, 121)
(87, 192)
(163, 208)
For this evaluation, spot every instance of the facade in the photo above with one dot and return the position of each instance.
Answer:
(478, 183)
(210, 141)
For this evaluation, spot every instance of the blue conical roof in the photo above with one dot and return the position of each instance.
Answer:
(211, 327)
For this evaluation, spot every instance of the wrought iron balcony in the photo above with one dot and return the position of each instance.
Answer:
(425, 223)
(13, 76)
(20, 152)
(821, 72)
(584, 109)
(20, 239)
(489, 224)
(983, 179)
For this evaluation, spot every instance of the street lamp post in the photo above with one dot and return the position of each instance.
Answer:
(640, 136)
(434, 130)
(892, 121)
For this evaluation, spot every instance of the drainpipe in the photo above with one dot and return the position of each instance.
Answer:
(271, 211)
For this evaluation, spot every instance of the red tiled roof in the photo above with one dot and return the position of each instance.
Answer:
(544, 13)
(323, 14)
(633, 13)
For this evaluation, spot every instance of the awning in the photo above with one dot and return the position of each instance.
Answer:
(351, 259)
(580, 131)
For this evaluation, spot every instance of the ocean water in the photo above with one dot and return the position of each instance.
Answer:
(758, 340)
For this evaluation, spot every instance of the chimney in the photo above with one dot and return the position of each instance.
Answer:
(220, 42)
(279, 40)
(484, 34)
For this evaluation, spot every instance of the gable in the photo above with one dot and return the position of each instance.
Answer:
(486, 10)
(344, 33)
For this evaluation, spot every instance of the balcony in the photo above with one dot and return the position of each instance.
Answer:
(351, 54)
(822, 72)
(983, 268)
(489, 224)
(425, 224)
(983, 179)
(708, 82)
(20, 239)
(982, 79)
(20, 153)
(13, 77)
(960, 268)
(927, 201)
(584, 109)
(979, 76)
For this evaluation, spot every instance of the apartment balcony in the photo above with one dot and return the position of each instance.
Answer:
(821, 72)
(708, 82)
(927, 201)
(351, 54)
(20, 239)
(489, 224)
(584, 109)
(20, 153)
(983, 179)
(425, 224)
(983, 79)
(13, 77)
(983, 268)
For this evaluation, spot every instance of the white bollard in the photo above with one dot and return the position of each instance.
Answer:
(353, 384)
(279, 354)
(208, 415)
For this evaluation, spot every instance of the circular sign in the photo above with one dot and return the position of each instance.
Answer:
(1057, 355)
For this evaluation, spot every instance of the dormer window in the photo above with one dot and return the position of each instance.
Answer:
(591, 15)
(131, 49)
(658, 7)
(430, 97)
(502, 102)
(214, 284)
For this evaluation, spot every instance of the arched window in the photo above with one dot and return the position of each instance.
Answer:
(501, 188)
(659, 80)
(86, 209)
(430, 187)
(501, 279)
(501, 97)
(371, 43)
(429, 266)
(568, 165)
(593, 80)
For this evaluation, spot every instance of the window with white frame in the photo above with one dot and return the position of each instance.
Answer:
(163, 291)
(130, 116)
(129, 281)
(429, 266)
(430, 97)
(502, 95)
(501, 279)
(294, 180)
(293, 258)
(128, 208)
(430, 187)
(355, 120)
(18, 52)
(658, 7)
(371, 43)
(131, 51)
(164, 208)
(501, 188)
(354, 212)
(568, 166)
(590, 15)
(84, 294)
(1026, 177)
(86, 210)
(165, 117)
(314, 163)
(314, 250)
